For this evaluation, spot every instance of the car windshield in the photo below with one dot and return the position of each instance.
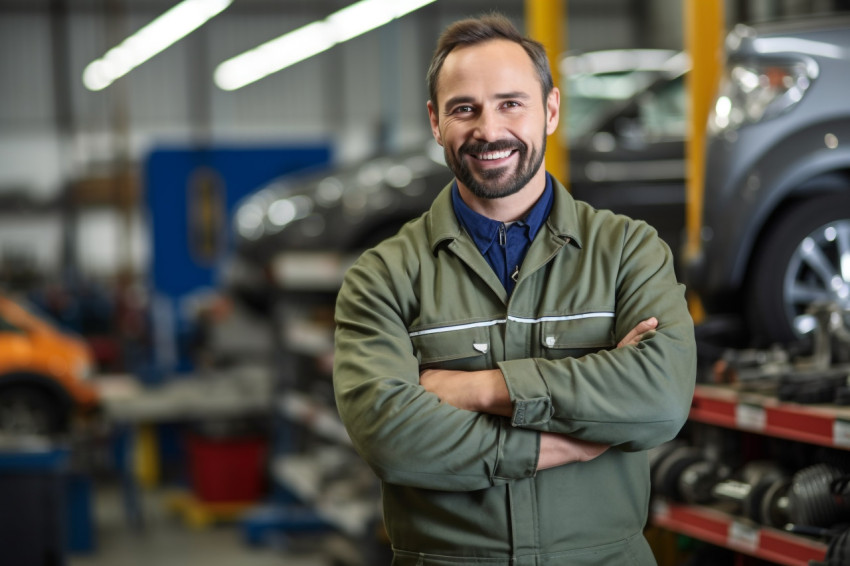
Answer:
(599, 84)
(591, 97)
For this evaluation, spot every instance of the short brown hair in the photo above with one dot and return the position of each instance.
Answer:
(472, 31)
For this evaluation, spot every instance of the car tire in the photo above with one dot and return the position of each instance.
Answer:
(30, 411)
(798, 263)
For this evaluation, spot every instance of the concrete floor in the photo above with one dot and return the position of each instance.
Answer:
(166, 540)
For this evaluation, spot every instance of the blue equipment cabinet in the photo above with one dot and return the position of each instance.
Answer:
(191, 194)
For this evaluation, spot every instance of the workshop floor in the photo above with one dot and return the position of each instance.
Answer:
(166, 540)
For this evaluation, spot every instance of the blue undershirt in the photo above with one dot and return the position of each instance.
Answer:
(504, 245)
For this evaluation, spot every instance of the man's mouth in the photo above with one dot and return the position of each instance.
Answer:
(493, 155)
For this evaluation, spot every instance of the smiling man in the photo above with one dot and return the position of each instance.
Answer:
(493, 122)
(504, 362)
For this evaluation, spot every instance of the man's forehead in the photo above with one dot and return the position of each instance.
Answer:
(499, 65)
(507, 52)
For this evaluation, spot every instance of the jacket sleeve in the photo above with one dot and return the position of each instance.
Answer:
(402, 431)
(634, 397)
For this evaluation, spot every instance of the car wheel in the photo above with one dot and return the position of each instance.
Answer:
(28, 411)
(803, 259)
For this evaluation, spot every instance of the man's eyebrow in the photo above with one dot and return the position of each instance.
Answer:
(458, 100)
(515, 94)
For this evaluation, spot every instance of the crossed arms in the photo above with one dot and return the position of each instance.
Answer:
(412, 427)
(486, 392)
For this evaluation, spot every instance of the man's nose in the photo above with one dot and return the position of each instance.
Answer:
(487, 126)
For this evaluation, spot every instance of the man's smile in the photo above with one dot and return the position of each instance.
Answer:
(491, 159)
(493, 155)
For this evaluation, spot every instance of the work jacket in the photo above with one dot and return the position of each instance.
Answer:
(461, 487)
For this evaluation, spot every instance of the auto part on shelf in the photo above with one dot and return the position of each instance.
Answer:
(760, 482)
(821, 377)
(814, 496)
(751, 364)
(831, 330)
(684, 473)
(817, 497)
(814, 388)
(839, 550)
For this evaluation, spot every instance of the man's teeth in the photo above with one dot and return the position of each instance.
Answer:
(494, 155)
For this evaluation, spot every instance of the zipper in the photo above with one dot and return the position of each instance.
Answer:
(503, 235)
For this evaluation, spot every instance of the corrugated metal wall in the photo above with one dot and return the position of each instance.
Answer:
(359, 96)
(340, 95)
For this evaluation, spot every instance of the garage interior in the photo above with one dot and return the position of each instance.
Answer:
(175, 224)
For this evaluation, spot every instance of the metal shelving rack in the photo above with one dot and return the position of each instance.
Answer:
(314, 462)
(751, 412)
(735, 533)
(722, 406)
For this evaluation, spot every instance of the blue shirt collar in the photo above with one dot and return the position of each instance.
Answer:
(484, 231)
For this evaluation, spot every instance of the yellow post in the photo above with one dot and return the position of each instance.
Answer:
(704, 31)
(146, 456)
(546, 23)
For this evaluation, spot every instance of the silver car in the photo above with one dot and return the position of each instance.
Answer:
(776, 219)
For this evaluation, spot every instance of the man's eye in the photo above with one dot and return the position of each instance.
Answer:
(511, 104)
(462, 109)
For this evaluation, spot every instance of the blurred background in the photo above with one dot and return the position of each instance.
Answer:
(182, 185)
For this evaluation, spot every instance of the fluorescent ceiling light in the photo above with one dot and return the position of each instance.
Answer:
(273, 56)
(164, 31)
(311, 40)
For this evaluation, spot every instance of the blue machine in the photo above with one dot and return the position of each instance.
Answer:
(191, 194)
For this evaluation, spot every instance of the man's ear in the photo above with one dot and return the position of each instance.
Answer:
(553, 111)
(435, 122)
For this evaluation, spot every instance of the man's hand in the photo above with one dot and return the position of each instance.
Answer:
(559, 449)
(479, 391)
(637, 333)
(486, 392)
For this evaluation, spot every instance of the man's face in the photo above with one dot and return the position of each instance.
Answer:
(491, 118)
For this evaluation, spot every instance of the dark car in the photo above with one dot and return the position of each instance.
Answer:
(626, 121)
(776, 222)
(304, 230)
(625, 126)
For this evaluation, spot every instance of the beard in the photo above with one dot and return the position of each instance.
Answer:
(498, 182)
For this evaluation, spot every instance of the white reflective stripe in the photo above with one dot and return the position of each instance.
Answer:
(513, 319)
(456, 327)
(559, 318)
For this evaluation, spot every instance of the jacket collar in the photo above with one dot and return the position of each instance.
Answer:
(562, 222)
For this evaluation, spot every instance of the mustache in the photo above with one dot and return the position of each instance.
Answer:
(473, 147)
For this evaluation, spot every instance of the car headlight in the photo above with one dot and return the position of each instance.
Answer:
(753, 91)
(284, 211)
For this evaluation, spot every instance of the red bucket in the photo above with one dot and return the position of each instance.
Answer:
(228, 470)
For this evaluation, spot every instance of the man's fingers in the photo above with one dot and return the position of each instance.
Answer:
(646, 325)
(636, 334)
(559, 449)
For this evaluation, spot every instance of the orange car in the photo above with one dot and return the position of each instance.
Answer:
(43, 373)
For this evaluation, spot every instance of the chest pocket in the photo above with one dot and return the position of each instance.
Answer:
(465, 349)
(576, 337)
